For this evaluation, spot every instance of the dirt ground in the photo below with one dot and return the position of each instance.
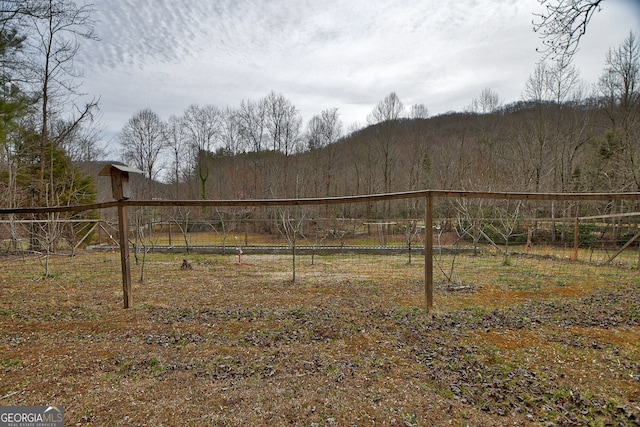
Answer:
(347, 344)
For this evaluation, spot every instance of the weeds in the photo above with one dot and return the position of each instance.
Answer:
(350, 346)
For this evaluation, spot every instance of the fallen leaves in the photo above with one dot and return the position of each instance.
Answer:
(219, 349)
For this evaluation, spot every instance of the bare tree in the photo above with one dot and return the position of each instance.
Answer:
(411, 231)
(419, 111)
(81, 142)
(12, 11)
(536, 86)
(175, 140)
(487, 102)
(535, 137)
(552, 132)
(144, 240)
(486, 127)
(283, 123)
(563, 82)
(252, 124)
(290, 223)
(323, 131)
(508, 219)
(252, 127)
(471, 221)
(142, 142)
(181, 216)
(386, 115)
(202, 124)
(389, 109)
(202, 127)
(568, 133)
(231, 136)
(562, 26)
(620, 83)
(620, 91)
(59, 25)
(415, 165)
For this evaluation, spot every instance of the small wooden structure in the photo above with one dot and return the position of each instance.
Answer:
(121, 191)
(119, 180)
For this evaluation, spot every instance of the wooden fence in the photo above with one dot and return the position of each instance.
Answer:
(427, 195)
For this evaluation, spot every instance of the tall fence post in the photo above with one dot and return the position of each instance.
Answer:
(123, 227)
(576, 239)
(121, 191)
(428, 252)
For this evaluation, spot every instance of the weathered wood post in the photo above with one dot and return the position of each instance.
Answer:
(576, 239)
(428, 252)
(121, 191)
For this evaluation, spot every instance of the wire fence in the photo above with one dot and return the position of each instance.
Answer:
(450, 241)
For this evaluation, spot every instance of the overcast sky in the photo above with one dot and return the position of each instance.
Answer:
(349, 54)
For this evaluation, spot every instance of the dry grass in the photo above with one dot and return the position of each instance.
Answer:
(534, 342)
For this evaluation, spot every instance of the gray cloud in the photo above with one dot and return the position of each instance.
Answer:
(165, 55)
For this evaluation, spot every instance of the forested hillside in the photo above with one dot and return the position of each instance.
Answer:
(529, 146)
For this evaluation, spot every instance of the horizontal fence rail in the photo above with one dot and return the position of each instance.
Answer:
(331, 200)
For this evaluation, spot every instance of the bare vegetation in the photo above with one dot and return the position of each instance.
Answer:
(537, 342)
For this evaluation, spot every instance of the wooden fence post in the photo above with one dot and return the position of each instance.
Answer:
(121, 191)
(123, 227)
(428, 252)
(576, 239)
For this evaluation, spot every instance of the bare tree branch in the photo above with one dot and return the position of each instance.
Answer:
(562, 26)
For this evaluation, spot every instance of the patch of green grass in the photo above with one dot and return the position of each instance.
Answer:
(10, 363)
(7, 313)
(408, 312)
